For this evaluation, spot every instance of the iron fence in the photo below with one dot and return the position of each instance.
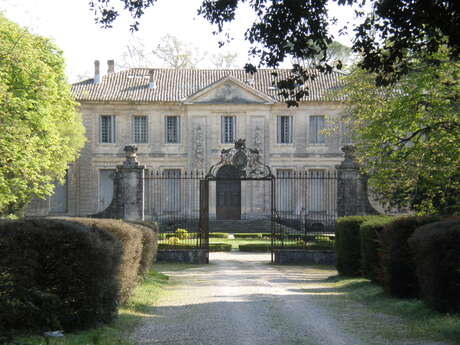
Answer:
(172, 198)
(304, 209)
(299, 209)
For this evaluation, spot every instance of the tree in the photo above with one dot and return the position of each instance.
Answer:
(408, 134)
(41, 131)
(224, 60)
(177, 54)
(387, 38)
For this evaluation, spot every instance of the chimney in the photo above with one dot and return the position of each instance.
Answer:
(97, 74)
(110, 66)
(152, 83)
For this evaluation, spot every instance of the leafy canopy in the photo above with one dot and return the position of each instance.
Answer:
(386, 38)
(408, 135)
(40, 130)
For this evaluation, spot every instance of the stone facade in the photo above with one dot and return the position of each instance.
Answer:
(256, 115)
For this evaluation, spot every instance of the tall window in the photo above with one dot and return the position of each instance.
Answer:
(286, 190)
(316, 126)
(284, 130)
(228, 129)
(140, 128)
(58, 200)
(107, 129)
(106, 177)
(317, 190)
(172, 129)
(173, 189)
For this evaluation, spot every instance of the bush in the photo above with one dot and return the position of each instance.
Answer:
(347, 245)
(399, 276)
(220, 247)
(255, 247)
(181, 234)
(131, 241)
(218, 235)
(436, 249)
(248, 235)
(370, 250)
(149, 245)
(56, 274)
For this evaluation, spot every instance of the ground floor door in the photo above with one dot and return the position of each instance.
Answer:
(228, 199)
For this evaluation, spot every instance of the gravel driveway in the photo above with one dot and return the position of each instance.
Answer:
(240, 299)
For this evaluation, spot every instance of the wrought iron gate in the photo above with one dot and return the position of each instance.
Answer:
(300, 208)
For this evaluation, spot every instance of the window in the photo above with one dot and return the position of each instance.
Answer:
(107, 129)
(228, 129)
(58, 201)
(173, 189)
(286, 189)
(140, 129)
(106, 177)
(284, 130)
(172, 129)
(316, 126)
(317, 190)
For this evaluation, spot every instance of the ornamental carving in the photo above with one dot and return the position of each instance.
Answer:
(245, 160)
(198, 152)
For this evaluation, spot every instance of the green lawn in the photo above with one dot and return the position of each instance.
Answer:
(423, 322)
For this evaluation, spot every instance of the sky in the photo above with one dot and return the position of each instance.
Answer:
(70, 24)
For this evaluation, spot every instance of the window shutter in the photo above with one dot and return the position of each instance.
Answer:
(290, 128)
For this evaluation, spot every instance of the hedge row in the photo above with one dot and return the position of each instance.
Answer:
(437, 260)
(69, 273)
(410, 256)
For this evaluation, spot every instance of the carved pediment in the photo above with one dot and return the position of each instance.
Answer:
(229, 90)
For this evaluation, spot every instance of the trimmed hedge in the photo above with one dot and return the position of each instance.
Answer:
(131, 241)
(213, 247)
(57, 274)
(247, 235)
(149, 232)
(396, 260)
(370, 250)
(220, 247)
(255, 247)
(436, 249)
(218, 235)
(347, 244)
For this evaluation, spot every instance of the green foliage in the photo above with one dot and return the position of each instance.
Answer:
(41, 131)
(218, 235)
(347, 244)
(397, 261)
(149, 232)
(436, 249)
(131, 241)
(369, 232)
(220, 247)
(247, 235)
(407, 136)
(181, 234)
(57, 274)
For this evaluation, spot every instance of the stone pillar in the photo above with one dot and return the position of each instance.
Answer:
(131, 176)
(128, 190)
(352, 198)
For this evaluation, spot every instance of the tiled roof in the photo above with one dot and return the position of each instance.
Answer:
(176, 85)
